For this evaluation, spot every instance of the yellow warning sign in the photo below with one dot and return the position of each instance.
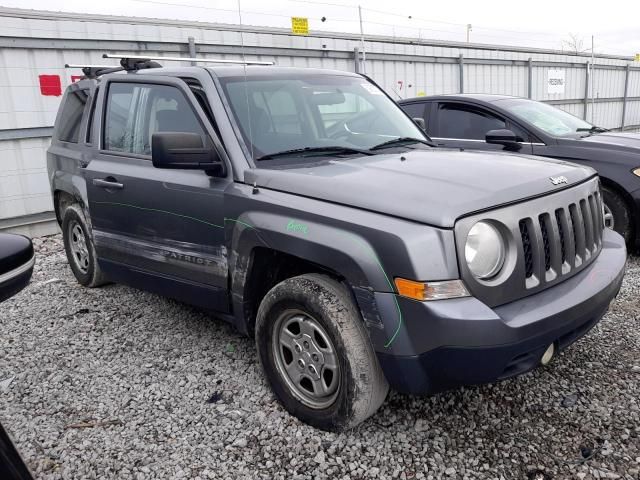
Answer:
(637, 59)
(300, 25)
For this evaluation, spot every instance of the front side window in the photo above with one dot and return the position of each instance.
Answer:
(547, 118)
(313, 111)
(136, 111)
(466, 123)
(71, 116)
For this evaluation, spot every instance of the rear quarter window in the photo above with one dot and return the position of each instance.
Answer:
(71, 116)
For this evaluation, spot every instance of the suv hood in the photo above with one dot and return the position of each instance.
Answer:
(615, 140)
(435, 187)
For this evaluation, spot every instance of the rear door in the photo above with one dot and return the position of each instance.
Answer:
(460, 125)
(162, 230)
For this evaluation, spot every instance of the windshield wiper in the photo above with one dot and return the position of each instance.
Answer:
(401, 141)
(593, 129)
(315, 151)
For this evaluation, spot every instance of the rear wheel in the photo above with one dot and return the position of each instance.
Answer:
(79, 247)
(617, 215)
(316, 353)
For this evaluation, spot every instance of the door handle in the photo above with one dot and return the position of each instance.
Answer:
(108, 184)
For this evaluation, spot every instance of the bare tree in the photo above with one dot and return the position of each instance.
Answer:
(574, 44)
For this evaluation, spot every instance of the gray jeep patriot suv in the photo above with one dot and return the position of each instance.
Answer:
(307, 209)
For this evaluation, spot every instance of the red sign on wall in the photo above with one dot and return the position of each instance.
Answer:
(50, 85)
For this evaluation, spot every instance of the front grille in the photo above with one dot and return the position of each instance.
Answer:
(558, 242)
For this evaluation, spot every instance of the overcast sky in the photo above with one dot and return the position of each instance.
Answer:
(541, 23)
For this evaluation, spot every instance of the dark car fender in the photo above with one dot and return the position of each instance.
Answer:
(364, 249)
(341, 252)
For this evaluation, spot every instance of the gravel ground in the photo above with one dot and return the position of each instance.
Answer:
(118, 383)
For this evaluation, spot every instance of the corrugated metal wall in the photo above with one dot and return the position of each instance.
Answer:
(40, 43)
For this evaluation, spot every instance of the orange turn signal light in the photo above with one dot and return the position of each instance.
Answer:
(427, 291)
(410, 288)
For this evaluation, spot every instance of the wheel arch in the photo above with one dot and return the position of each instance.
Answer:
(260, 258)
(628, 200)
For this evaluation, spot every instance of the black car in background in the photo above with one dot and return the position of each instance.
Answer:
(500, 122)
(16, 266)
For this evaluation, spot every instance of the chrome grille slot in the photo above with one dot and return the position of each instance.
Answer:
(560, 221)
(578, 233)
(527, 247)
(596, 216)
(588, 227)
(546, 242)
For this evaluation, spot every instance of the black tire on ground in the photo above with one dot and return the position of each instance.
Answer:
(317, 298)
(621, 216)
(76, 234)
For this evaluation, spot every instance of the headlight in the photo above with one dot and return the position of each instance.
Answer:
(484, 250)
(636, 171)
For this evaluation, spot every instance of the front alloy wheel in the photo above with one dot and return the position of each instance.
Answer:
(306, 358)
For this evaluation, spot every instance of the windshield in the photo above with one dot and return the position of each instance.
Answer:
(312, 112)
(549, 119)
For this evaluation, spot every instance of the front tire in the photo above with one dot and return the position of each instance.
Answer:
(616, 214)
(78, 245)
(316, 353)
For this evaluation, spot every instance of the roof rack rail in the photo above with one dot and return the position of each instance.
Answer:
(187, 59)
(128, 64)
(94, 71)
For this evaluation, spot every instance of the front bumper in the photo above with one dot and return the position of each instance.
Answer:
(449, 343)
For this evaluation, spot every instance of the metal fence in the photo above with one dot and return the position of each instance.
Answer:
(34, 46)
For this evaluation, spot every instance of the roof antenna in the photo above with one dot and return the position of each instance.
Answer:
(246, 91)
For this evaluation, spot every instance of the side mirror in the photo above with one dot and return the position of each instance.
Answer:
(420, 122)
(503, 137)
(16, 266)
(186, 151)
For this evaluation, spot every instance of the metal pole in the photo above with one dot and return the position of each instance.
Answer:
(356, 60)
(192, 49)
(593, 80)
(530, 81)
(468, 31)
(461, 65)
(364, 55)
(586, 90)
(624, 98)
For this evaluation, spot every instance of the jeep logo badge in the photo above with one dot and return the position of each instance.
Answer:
(559, 180)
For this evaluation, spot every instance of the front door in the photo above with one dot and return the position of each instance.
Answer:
(458, 125)
(157, 229)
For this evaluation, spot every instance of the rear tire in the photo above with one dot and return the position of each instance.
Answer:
(78, 244)
(617, 214)
(316, 353)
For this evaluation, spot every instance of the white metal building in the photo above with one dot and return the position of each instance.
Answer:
(35, 45)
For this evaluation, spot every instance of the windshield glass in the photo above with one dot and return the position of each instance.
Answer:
(312, 112)
(547, 118)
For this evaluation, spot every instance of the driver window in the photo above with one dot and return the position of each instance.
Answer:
(466, 123)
